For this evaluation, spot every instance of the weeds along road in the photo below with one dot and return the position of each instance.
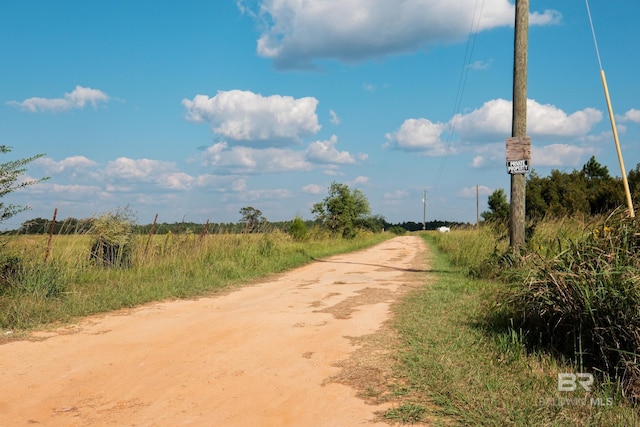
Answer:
(277, 353)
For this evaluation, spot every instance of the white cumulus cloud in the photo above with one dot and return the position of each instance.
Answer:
(239, 159)
(244, 116)
(313, 189)
(139, 169)
(326, 152)
(419, 135)
(632, 115)
(298, 32)
(176, 181)
(78, 98)
(548, 120)
(162, 173)
(555, 155)
(74, 163)
(493, 120)
(248, 160)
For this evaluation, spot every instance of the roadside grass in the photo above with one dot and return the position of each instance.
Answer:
(456, 367)
(163, 267)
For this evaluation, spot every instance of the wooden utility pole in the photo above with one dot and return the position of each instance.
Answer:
(519, 123)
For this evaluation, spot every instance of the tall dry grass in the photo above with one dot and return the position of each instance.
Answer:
(456, 367)
(584, 302)
(574, 291)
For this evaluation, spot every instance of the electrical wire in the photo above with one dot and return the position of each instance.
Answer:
(593, 32)
(471, 42)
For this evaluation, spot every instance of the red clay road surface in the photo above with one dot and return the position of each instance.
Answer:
(263, 355)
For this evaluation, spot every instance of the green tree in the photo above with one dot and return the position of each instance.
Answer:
(604, 192)
(594, 170)
(588, 191)
(375, 223)
(68, 226)
(567, 194)
(298, 229)
(10, 172)
(536, 205)
(498, 207)
(253, 220)
(343, 211)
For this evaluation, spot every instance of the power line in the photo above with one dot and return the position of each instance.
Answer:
(471, 42)
(593, 32)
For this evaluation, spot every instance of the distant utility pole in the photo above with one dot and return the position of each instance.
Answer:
(519, 123)
(424, 210)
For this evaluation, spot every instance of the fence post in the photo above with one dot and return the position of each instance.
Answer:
(205, 229)
(153, 228)
(51, 228)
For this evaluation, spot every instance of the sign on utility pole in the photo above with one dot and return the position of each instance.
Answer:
(518, 154)
(518, 167)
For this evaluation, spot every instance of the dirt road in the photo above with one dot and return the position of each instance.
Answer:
(269, 354)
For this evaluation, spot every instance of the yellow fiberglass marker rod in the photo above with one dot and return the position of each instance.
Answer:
(612, 119)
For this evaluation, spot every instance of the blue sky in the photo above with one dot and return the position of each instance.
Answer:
(193, 110)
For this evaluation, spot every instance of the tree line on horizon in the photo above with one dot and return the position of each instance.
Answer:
(586, 192)
(343, 211)
(82, 226)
